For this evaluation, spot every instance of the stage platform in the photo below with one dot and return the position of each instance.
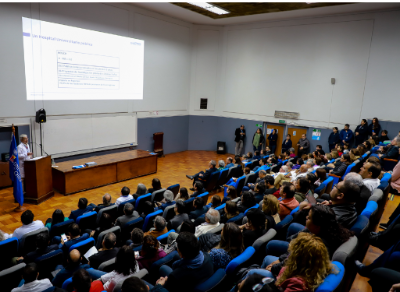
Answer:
(110, 168)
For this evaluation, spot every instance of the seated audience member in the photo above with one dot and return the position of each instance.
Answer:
(312, 178)
(193, 268)
(221, 165)
(292, 152)
(340, 167)
(125, 196)
(255, 282)
(287, 155)
(310, 165)
(137, 236)
(267, 151)
(28, 225)
(198, 189)
(106, 203)
(354, 154)
(365, 193)
(231, 211)
(212, 220)
(343, 196)
(234, 181)
(182, 195)
(134, 284)
(42, 248)
(129, 215)
(319, 148)
(105, 223)
(230, 246)
(320, 173)
(383, 137)
(147, 209)
(334, 154)
(199, 208)
(288, 202)
(83, 208)
(259, 191)
(306, 266)
(248, 200)
(303, 189)
(361, 149)
(125, 266)
(140, 191)
(107, 252)
(254, 228)
(160, 227)
(82, 282)
(186, 226)
(30, 274)
(340, 150)
(271, 161)
(204, 176)
(73, 264)
(74, 236)
(262, 165)
(370, 174)
(368, 145)
(392, 151)
(180, 216)
(256, 155)
(57, 217)
(156, 185)
(230, 194)
(269, 185)
(299, 162)
(284, 174)
(150, 253)
(317, 162)
(395, 180)
(270, 208)
(229, 162)
(238, 161)
(302, 171)
(215, 201)
(167, 201)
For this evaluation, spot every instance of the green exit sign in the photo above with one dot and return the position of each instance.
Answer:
(259, 125)
(282, 121)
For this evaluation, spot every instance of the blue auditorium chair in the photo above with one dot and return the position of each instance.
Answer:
(333, 280)
(149, 220)
(175, 189)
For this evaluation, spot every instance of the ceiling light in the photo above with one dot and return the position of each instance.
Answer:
(209, 7)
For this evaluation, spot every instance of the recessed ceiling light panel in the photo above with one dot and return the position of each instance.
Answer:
(209, 7)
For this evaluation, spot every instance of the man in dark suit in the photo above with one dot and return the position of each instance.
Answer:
(198, 189)
(42, 248)
(73, 238)
(107, 252)
(204, 176)
(240, 134)
(199, 208)
(82, 209)
(106, 203)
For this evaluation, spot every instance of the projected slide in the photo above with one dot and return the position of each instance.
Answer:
(69, 63)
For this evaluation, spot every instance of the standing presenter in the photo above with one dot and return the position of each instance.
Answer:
(24, 153)
(240, 134)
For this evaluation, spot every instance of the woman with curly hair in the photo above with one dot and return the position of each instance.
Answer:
(230, 246)
(306, 267)
(150, 252)
(270, 208)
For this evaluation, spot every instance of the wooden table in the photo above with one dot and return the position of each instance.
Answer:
(110, 168)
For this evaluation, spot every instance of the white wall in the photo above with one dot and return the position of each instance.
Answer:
(167, 58)
(288, 65)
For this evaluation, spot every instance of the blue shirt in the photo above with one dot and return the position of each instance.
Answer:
(230, 165)
(346, 136)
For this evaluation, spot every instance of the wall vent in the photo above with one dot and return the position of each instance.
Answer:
(286, 115)
(203, 103)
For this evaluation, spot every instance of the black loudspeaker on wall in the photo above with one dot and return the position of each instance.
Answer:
(221, 147)
(41, 116)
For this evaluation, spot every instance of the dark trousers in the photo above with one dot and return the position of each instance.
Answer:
(273, 148)
(383, 279)
(390, 236)
(197, 177)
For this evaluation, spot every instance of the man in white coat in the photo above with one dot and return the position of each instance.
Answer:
(24, 153)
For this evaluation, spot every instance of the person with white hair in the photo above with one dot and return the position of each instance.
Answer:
(167, 201)
(365, 192)
(204, 176)
(24, 153)
(212, 220)
(160, 227)
(221, 165)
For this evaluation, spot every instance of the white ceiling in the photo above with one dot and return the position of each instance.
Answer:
(196, 18)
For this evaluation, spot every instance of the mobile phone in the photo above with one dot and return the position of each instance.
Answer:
(136, 254)
(64, 237)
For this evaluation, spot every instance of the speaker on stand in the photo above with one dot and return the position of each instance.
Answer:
(41, 118)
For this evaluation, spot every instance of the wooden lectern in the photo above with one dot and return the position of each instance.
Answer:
(158, 143)
(38, 180)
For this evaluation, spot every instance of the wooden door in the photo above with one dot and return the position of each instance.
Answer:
(281, 132)
(296, 135)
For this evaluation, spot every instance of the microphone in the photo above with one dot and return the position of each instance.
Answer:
(40, 147)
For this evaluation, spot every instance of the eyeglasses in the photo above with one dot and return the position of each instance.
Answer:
(336, 186)
(264, 281)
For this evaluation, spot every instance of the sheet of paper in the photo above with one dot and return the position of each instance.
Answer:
(90, 252)
(36, 158)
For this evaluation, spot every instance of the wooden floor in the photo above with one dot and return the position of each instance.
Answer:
(171, 170)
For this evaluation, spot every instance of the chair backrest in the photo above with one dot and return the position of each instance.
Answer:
(260, 244)
(386, 177)
(230, 172)
(116, 230)
(360, 227)
(371, 208)
(275, 168)
(348, 169)
(175, 189)
(128, 227)
(223, 177)
(47, 263)
(203, 195)
(140, 274)
(212, 181)
(158, 195)
(111, 210)
(87, 221)
(211, 282)
(329, 184)
(240, 185)
(165, 260)
(122, 205)
(333, 280)
(149, 220)
(167, 210)
(346, 251)
(107, 266)
(321, 188)
(8, 250)
(237, 171)
(250, 179)
(10, 278)
(67, 283)
(163, 238)
(255, 163)
(140, 201)
(60, 228)
(254, 207)
(237, 219)
(282, 227)
(295, 210)
(240, 260)
(83, 246)
(189, 205)
(27, 243)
